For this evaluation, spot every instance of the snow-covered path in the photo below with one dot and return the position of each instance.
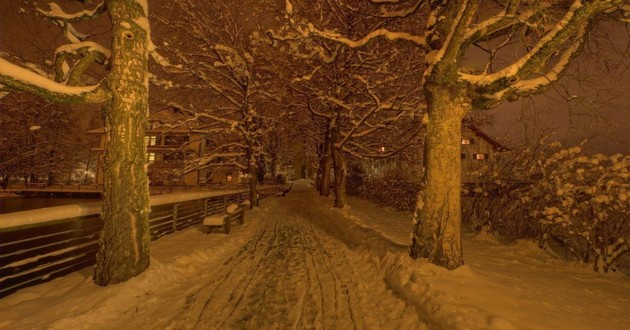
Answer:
(298, 263)
(294, 272)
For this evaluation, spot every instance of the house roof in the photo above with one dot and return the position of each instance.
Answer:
(494, 143)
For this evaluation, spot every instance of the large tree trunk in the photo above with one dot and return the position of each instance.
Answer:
(124, 241)
(436, 231)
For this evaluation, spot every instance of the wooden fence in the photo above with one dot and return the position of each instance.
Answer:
(37, 253)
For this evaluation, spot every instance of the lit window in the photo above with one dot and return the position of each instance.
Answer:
(468, 141)
(480, 156)
(150, 140)
(228, 178)
(151, 156)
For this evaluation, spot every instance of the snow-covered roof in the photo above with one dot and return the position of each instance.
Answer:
(494, 143)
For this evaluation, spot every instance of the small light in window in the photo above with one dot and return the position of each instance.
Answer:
(151, 157)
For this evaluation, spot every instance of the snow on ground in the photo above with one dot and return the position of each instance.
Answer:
(299, 263)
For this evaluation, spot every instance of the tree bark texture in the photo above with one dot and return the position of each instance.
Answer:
(124, 241)
(436, 233)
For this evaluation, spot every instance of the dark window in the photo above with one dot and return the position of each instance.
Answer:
(175, 140)
(174, 156)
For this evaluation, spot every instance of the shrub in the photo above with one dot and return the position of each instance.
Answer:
(586, 204)
(549, 192)
(395, 193)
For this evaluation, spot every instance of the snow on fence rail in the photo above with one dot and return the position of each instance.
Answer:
(39, 245)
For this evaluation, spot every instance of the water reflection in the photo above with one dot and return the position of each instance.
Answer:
(14, 204)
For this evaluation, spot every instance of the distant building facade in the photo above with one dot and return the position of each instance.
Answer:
(477, 149)
(167, 151)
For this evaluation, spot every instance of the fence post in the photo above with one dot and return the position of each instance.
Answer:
(205, 207)
(175, 207)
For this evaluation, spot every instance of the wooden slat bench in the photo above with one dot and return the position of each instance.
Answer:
(284, 190)
(233, 212)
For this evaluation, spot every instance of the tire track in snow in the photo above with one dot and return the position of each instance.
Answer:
(295, 272)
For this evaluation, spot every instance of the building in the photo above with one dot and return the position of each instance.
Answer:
(477, 149)
(167, 151)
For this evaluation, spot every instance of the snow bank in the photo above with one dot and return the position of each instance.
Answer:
(37, 216)
(502, 286)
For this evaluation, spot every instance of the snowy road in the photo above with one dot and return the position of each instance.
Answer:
(295, 272)
(297, 263)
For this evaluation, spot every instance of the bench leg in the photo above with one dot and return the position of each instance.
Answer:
(226, 227)
(241, 218)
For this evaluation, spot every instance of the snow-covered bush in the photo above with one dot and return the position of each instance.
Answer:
(395, 193)
(586, 204)
(548, 192)
(499, 200)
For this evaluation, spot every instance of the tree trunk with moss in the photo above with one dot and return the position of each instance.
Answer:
(436, 231)
(124, 241)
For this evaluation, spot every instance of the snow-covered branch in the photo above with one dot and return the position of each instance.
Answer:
(16, 77)
(536, 58)
(501, 23)
(196, 115)
(536, 85)
(56, 13)
(379, 33)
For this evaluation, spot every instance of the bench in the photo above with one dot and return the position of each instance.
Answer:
(233, 212)
(284, 190)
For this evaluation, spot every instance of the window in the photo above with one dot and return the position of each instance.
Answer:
(151, 157)
(463, 156)
(228, 178)
(468, 141)
(150, 140)
(480, 156)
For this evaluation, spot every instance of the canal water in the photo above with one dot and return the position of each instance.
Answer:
(15, 204)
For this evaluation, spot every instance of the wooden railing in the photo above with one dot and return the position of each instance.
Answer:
(38, 250)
